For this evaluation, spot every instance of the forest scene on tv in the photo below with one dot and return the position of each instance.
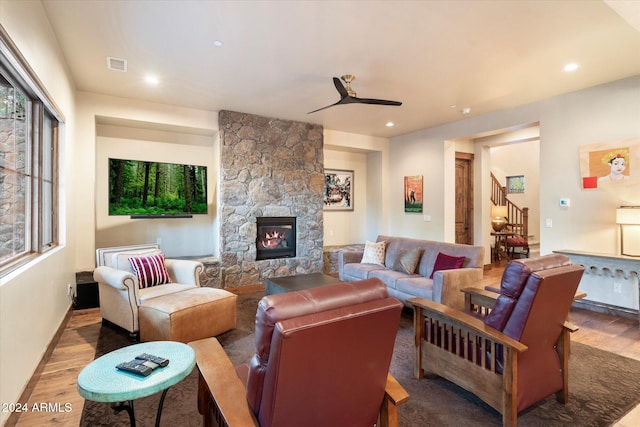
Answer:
(153, 188)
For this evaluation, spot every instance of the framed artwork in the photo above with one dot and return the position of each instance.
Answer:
(610, 166)
(515, 184)
(338, 190)
(413, 193)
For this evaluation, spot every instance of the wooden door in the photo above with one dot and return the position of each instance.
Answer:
(464, 198)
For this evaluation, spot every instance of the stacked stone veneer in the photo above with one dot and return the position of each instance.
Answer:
(12, 201)
(268, 167)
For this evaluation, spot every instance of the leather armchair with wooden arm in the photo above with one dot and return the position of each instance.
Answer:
(322, 358)
(511, 351)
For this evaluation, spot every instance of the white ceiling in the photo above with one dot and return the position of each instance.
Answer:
(279, 57)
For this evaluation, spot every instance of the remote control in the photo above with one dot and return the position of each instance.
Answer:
(135, 368)
(161, 361)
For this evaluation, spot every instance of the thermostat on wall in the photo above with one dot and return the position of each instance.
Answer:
(565, 203)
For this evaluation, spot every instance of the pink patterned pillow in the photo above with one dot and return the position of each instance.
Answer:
(150, 270)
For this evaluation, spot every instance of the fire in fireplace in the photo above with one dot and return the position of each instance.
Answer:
(276, 237)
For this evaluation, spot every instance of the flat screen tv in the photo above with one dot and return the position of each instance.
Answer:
(147, 189)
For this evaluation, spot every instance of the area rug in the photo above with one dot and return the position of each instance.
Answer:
(603, 387)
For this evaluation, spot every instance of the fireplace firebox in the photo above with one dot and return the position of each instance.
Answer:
(276, 237)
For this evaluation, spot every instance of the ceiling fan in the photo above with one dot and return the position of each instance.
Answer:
(349, 96)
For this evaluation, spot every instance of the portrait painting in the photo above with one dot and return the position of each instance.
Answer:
(610, 165)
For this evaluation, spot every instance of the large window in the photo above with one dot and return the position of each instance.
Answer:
(28, 163)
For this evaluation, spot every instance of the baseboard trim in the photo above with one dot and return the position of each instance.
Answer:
(12, 421)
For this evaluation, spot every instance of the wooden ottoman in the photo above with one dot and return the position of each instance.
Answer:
(188, 315)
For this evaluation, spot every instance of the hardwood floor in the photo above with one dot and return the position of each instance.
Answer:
(56, 382)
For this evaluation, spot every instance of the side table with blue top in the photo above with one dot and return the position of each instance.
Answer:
(101, 381)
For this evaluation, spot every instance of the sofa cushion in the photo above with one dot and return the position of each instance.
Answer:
(374, 253)
(388, 276)
(408, 260)
(392, 249)
(159, 291)
(446, 262)
(120, 260)
(516, 241)
(150, 270)
(356, 271)
(417, 286)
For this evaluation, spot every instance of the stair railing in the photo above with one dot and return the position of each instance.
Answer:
(517, 218)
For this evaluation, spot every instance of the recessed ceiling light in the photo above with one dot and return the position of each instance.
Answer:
(152, 80)
(217, 43)
(390, 124)
(465, 110)
(571, 67)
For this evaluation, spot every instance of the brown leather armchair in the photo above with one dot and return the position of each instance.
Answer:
(322, 359)
(510, 349)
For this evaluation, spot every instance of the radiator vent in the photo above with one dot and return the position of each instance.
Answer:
(116, 64)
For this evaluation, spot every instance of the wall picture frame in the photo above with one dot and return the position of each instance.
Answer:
(413, 194)
(338, 190)
(610, 166)
(515, 184)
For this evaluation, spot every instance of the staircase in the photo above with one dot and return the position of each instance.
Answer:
(517, 218)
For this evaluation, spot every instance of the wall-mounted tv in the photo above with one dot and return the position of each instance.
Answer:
(147, 189)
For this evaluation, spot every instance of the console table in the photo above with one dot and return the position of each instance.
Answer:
(612, 282)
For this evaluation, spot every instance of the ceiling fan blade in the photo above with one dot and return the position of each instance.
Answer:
(324, 108)
(377, 101)
(345, 98)
(341, 89)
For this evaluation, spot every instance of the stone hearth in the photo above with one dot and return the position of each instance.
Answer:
(268, 167)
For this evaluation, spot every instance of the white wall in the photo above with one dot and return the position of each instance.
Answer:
(368, 157)
(420, 154)
(346, 227)
(606, 113)
(176, 236)
(33, 299)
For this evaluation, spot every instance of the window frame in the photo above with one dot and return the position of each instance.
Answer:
(44, 120)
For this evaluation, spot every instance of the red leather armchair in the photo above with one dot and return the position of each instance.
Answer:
(510, 349)
(322, 359)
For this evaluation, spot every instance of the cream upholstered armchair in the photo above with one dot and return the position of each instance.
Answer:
(120, 292)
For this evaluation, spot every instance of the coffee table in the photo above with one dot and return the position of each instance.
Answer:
(100, 381)
(281, 285)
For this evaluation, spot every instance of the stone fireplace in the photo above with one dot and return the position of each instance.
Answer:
(268, 168)
(275, 237)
